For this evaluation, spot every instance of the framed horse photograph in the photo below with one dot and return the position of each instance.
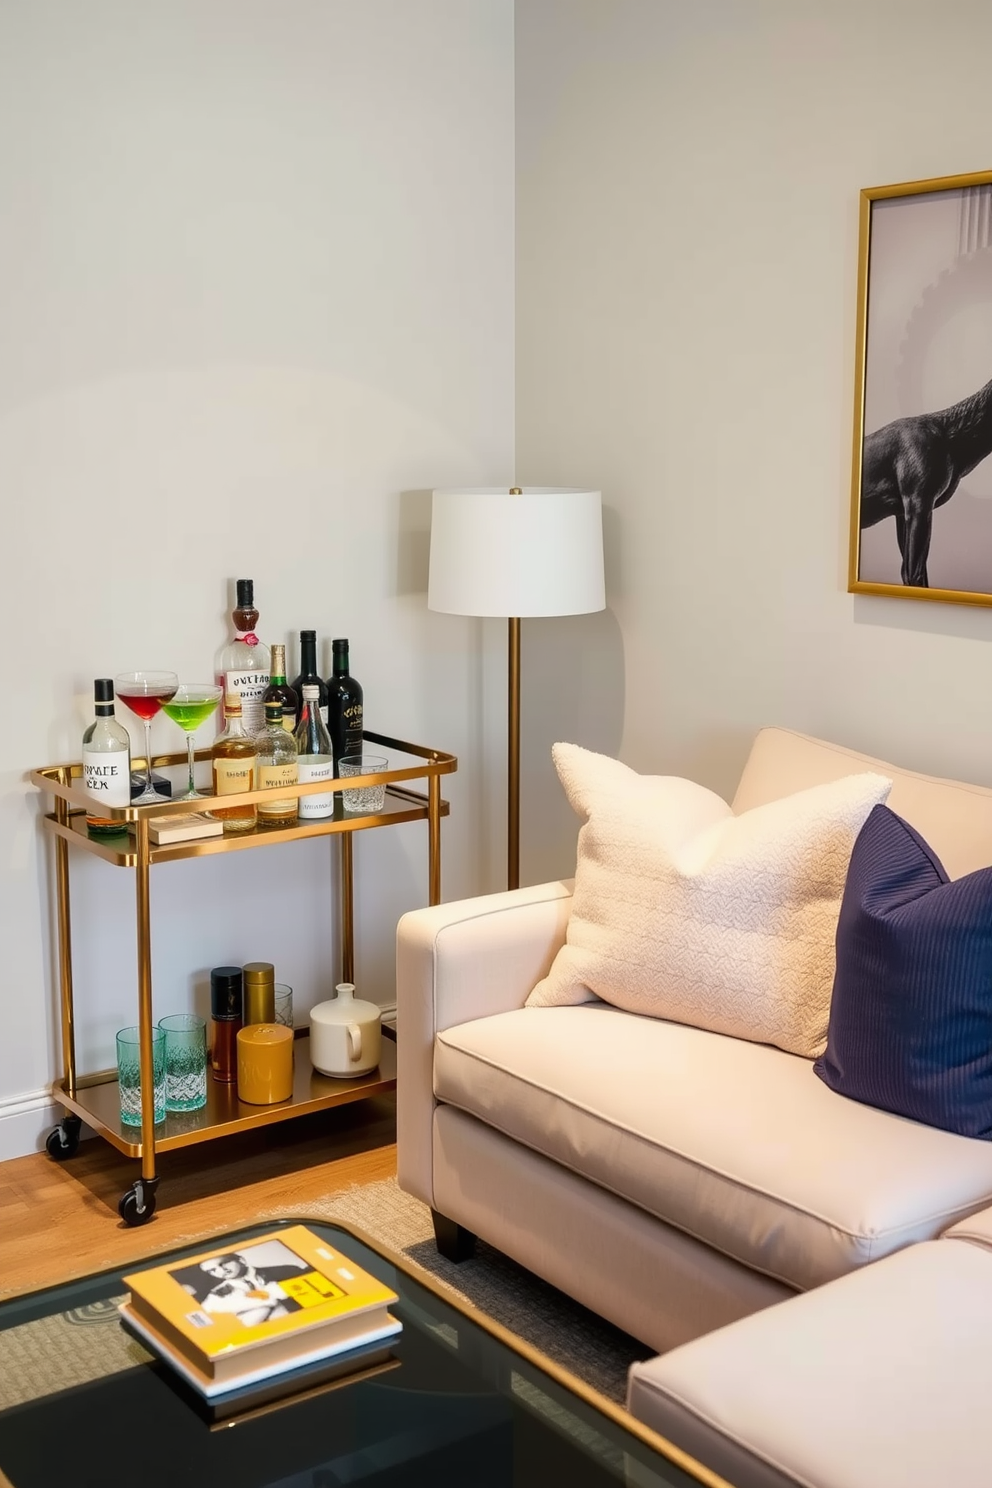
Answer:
(921, 497)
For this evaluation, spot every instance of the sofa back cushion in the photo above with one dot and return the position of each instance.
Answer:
(911, 1017)
(955, 819)
(683, 910)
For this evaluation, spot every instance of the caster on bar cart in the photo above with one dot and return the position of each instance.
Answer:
(137, 1203)
(63, 1140)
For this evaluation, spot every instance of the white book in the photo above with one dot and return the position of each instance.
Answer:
(355, 1339)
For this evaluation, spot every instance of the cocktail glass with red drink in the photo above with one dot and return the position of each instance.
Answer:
(144, 693)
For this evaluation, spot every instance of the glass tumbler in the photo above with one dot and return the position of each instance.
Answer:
(367, 799)
(129, 1074)
(185, 1062)
(284, 1004)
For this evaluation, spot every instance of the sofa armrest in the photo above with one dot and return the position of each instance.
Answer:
(454, 963)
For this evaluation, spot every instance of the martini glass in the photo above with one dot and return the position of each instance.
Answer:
(192, 704)
(144, 693)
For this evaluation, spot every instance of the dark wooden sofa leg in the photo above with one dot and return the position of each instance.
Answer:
(453, 1241)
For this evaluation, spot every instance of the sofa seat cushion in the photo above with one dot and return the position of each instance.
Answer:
(733, 1142)
(879, 1380)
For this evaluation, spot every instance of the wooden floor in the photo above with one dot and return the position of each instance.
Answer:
(59, 1220)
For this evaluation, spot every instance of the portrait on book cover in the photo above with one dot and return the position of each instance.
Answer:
(921, 519)
(245, 1283)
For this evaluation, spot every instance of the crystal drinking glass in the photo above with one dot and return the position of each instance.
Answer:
(144, 693)
(192, 704)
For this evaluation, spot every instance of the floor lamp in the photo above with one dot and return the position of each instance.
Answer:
(518, 552)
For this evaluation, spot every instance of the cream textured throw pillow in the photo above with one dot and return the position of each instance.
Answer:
(682, 910)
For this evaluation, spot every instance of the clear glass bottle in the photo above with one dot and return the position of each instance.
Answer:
(345, 708)
(308, 672)
(106, 761)
(242, 666)
(279, 690)
(232, 757)
(316, 759)
(276, 765)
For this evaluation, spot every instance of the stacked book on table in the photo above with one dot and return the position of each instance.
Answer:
(266, 1318)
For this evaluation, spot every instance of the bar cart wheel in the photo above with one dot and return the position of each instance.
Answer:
(63, 1140)
(137, 1203)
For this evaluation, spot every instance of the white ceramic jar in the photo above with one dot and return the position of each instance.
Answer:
(345, 1035)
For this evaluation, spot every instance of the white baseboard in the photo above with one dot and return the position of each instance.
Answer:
(25, 1122)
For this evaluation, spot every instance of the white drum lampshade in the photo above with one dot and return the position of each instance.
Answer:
(536, 552)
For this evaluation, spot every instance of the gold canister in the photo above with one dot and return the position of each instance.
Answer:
(265, 1064)
(259, 982)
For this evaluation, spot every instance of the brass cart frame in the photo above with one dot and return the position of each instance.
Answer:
(94, 1097)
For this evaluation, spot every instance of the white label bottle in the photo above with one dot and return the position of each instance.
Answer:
(242, 666)
(316, 760)
(106, 762)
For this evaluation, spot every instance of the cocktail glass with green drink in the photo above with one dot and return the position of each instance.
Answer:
(191, 706)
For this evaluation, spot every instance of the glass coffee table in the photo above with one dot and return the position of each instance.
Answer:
(461, 1402)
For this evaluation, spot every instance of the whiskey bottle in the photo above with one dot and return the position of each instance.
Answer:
(233, 762)
(242, 666)
(279, 691)
(308, 672)
(344, 708)
(276, 766)
(316, 759)
(106, 761)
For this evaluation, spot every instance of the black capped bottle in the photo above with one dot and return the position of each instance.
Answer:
(226, 1009)
(345, 708)
(315, 758)
(242, 666)
(106, 762)
(308, 672)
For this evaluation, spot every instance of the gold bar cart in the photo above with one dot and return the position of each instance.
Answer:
(94, 1097)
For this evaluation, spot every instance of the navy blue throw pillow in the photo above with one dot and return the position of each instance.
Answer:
(911, 1014)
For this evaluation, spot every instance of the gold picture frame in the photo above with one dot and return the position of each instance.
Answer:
(923, 392)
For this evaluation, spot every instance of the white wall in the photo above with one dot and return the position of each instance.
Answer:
(256, 298)
(687, 197)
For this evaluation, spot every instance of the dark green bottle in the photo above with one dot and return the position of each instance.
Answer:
(345, 708)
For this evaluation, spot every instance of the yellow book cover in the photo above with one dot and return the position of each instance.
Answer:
(265, 1297)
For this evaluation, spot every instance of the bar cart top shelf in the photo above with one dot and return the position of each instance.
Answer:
(403, 804)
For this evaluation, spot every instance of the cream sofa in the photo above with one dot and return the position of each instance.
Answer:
(672, 1180)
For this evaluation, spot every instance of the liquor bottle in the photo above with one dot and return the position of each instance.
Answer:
(242, 666)
(279, 691)
(226, 1004)
(232, 756)
(316, 759)
(308, 671)
(106, 761)
(276, 765)
(344, 708)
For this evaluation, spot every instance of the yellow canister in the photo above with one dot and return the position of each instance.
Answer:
(265, 1063)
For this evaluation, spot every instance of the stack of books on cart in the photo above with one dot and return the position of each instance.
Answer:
(269, 1318)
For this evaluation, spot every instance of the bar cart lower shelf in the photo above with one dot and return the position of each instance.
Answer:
(94, 1098)
(98, 1104)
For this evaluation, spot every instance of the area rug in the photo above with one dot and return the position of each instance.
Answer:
(566, 1332)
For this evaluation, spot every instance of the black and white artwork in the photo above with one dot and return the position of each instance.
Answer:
(245, 1282)
(922, 498)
